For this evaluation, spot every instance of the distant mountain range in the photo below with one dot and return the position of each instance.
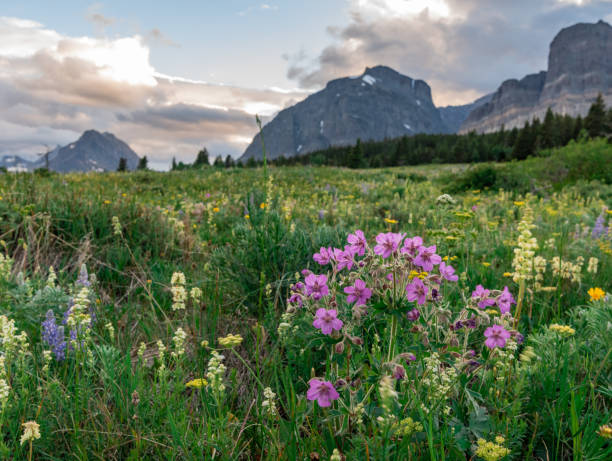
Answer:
(93, 151)
(382, 103)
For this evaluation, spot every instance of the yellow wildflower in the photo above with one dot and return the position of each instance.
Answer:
(507, 274)
(196, 383)
(486, 264)
(519, 203)
(391, 221)
(246, 216)
(230, 341)
(490, 451)
(605, 431)
(596, 293)
(107, 202)
(563, 330)
(262, 205)
(216, 209)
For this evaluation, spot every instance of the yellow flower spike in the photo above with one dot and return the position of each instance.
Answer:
(197, 383)
(596, 293)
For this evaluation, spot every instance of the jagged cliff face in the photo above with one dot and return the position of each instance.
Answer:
(579, 67)
(380, 103)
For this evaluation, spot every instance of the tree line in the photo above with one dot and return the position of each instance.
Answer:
(554, 130)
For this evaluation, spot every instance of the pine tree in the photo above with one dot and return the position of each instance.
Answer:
(122, 164)
(595, 121)
(523, 145)
(143, 163)
(229, 161)
(219, 162)
(174, 166)
(201, 159)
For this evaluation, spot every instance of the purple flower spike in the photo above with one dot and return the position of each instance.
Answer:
(416, 291)
(322, 391)
(327, 320)
(358, 293)
(496, 336)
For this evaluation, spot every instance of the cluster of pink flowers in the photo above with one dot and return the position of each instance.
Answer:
(395, 264)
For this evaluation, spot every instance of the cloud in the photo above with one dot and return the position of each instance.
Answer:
(157, 36)
(260, 7)
(53, 87)
(98, 19)
(462, 48)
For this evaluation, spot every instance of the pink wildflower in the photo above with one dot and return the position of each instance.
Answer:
(358, 293)
(496, 336)
(327, 320)
(416, 291)
(322, 391)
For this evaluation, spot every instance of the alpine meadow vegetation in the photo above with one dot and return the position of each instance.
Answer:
(310, 313)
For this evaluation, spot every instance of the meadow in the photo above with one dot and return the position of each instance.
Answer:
(310, 313)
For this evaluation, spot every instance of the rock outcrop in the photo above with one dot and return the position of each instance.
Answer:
(579, 68)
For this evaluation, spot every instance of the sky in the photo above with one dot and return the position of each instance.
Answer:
(172, 77)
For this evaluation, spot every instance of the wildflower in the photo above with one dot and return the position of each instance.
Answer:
(448, 272)
(596, 293)
(358, 242)
(51, 278)
(505, 301)
(204, 343)
(406, 427)
(215, 372)
(507, 274)
(196, 383)
(592, 266)
(563, 330)
(491, 451)
(5, 390)
(31, 431)
(599, 229)
(179, 294)
(344, 259)
(427, 258)
(196, 294)
(387, 243)
(216, 209)
(327, 320)
(391, 221)
(316, 286)
(486, 264)
(179, 342)
(416, 291)
(525, 252)
(358, 293)
(496, 336)
(520, 203)
(142, 347)
(445, 199)
(413, 315)
(83, 279)
(336, 455)
(269, 403)
(111, 330)
(324, 256)
(116, 225)
(412, 245)
(481, 295)
(53, 336)
(321, 391)
(605, 431)
(262, 205)
(230, 341)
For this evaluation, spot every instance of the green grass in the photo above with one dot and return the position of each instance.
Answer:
(243, 241)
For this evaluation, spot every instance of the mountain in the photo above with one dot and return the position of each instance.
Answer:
(579, 67)
(454, 116)
(380, 103)
(14, 163)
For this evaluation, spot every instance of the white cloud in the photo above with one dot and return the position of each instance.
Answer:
(53, 87)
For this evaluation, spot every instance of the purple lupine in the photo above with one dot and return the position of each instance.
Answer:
(599, 229)
(358, 293)
(53, 335)
(416, 291)
(324, 256)
(83, 279)
(344, 259)
(496, 336)
(388, 243)
(427, 258)
(316, 286)
(327, 320)
(481, 294)
(412, 245)
(321, 214)
(505, 301)
(358, 242)
(321, 391)
(448, 272)
(413, 315)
